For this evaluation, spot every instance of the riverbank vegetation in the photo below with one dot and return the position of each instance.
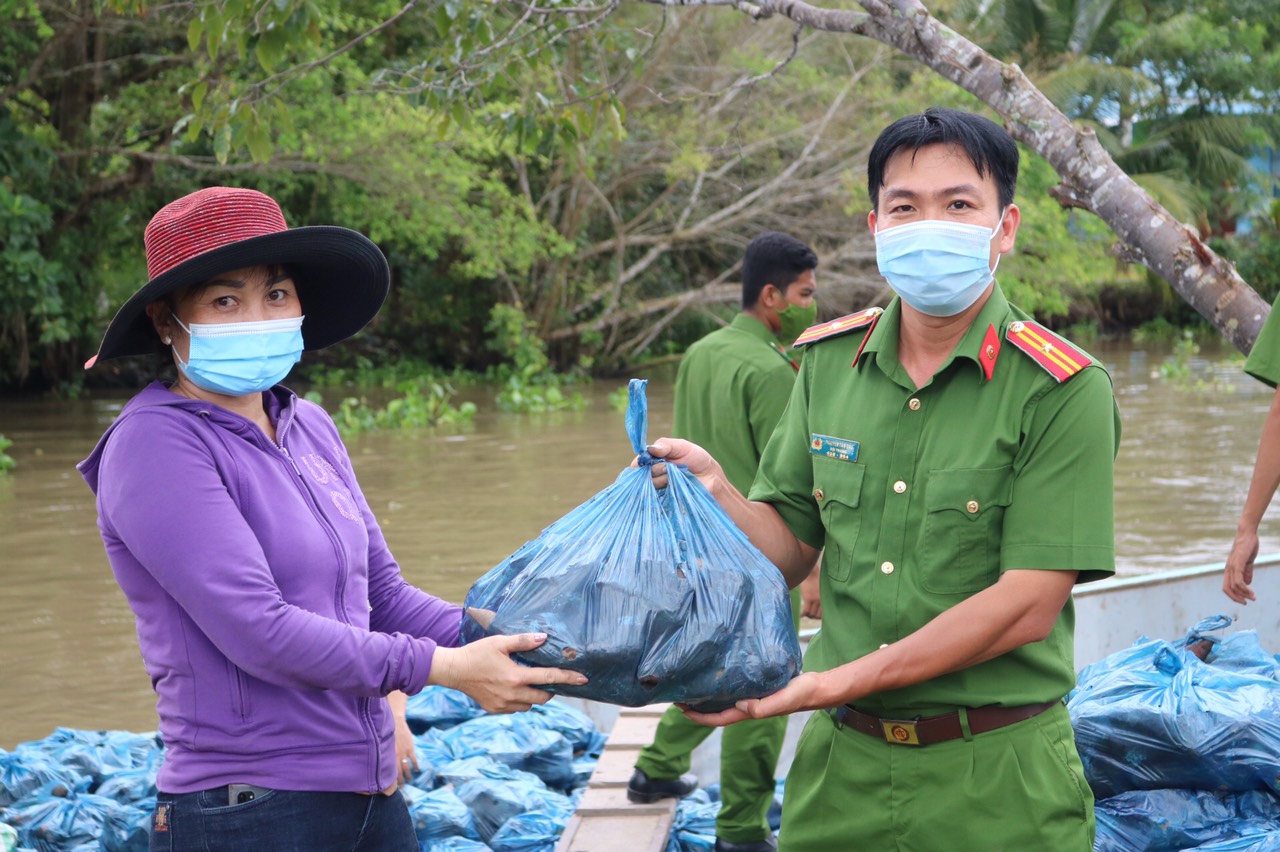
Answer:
(574, 200)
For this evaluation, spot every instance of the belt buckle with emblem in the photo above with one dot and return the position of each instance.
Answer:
(900, 731)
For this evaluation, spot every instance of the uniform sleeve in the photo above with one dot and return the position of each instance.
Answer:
(163, 499)
(1263, 362)
(1061, 515)
(785, 477)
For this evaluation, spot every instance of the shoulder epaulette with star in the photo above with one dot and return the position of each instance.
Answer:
(1058, 357)
(837, 327)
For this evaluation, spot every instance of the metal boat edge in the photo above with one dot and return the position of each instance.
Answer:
(1110, 615)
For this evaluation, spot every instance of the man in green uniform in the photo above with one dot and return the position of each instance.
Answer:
(730, 391)
(954, 461)
(1263, 364)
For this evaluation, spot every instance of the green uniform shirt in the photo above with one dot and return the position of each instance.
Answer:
(930, 493)
(1263, 362)
(731, 389)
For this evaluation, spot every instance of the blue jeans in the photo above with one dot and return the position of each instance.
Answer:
(282, 821)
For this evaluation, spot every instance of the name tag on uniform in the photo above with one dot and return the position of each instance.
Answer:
(841, 449)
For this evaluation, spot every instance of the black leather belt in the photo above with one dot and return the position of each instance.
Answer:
(927, 730)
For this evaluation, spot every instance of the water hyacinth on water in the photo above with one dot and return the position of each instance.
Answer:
(654, 595)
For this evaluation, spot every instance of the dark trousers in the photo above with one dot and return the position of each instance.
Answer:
(282, 821)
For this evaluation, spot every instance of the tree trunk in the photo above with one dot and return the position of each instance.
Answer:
(1090, 178)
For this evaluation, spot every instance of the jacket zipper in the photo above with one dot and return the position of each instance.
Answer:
(339, 593)
(242, 692)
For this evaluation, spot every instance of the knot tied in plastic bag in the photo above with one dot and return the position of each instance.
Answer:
(653, 595)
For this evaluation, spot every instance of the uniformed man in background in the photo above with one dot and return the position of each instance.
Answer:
(954, 461)
(730, 391)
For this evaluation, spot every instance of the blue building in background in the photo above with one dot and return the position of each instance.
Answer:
(1265, 163)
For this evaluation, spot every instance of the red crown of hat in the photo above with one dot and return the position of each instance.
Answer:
(343, 278)
(206, 220)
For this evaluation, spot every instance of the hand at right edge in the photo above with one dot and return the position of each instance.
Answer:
(484, 670)
(1238, 575)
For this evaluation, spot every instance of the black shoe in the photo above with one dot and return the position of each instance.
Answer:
(643, 790)
(769, 844)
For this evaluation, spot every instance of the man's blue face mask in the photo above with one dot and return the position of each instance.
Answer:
(939, 268)
(238, 358)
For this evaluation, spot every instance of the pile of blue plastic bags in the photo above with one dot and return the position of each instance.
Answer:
(694, 827)
(1181, 743)
(485, 783)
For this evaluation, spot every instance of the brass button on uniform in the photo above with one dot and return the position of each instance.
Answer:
(1016, 326)
(899, 486)
(971, 507)
(819, 494)
(886, 568)
(913, 404)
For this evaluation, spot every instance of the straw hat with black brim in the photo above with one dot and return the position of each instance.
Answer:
(342, 276)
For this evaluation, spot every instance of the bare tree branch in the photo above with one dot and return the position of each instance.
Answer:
(1172, 249)
(211, 164)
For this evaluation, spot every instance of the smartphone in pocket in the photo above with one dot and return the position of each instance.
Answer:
(238, 794)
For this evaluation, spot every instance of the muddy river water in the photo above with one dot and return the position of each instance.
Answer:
(454, 502)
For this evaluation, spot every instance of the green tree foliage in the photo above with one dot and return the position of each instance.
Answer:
(598, 170)
(1062, 258)
(1257, 252)
(1180, 92)
(80, 119)
(90, 157)
(30, 284)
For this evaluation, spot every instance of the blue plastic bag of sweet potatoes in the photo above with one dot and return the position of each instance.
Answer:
(654, 595)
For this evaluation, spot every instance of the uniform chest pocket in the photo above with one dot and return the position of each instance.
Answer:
(964, 523)
(838, 491)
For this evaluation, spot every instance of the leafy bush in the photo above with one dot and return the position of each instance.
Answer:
(420, 406)
(528, 384)
(6, 461)
(1158, 330)
(33, 314)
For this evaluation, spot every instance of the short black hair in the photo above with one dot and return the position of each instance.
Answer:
(773, 258)
(989, 146)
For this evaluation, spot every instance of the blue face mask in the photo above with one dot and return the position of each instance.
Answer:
(239, 358)
(938, 268)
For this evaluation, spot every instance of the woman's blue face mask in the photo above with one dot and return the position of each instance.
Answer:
(239, 358)
(939, 268)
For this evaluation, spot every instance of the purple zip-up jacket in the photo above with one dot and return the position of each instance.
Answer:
(271, 616)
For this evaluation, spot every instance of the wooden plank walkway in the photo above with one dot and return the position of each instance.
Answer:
(605, 821)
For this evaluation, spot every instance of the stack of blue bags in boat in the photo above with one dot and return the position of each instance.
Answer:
(654, 595)
(1181, 743)
(485, 783)
(79, 790)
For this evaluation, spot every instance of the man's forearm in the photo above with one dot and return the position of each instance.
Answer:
(1016, 611)
(1266, 470)
(767, 531)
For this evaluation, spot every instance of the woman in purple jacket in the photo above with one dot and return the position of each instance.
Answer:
(272, 618)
